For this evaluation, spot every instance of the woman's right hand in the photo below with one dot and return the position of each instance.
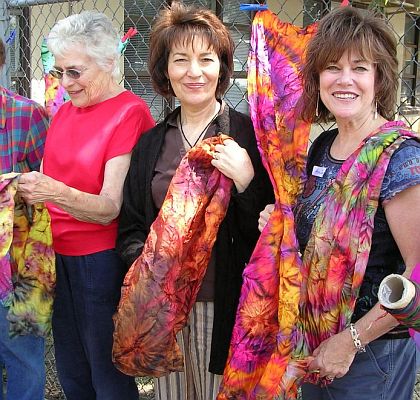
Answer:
(35, 187)
(264, 216)
(234, 162)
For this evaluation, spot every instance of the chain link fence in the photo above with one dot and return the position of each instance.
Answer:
(26, 22)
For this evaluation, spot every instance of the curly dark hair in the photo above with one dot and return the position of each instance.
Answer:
(181, 24)
(353, 30)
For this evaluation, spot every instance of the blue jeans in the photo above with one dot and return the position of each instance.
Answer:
(387, 371)
(87, 294)
(23, 358)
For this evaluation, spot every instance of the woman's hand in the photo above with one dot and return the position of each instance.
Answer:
(102, 208)
(35, 187)
(333, 357)
(233, 161)
(264, 216)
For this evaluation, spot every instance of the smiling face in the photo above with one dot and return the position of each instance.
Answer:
(193, 69)
(347, 88)
(93, 85)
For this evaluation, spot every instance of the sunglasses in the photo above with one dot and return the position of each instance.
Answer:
(70, 73)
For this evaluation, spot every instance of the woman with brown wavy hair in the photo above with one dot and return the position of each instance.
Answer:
(191, 58)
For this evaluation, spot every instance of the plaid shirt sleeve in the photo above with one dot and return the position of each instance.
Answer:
(35, 140)
(24, 130)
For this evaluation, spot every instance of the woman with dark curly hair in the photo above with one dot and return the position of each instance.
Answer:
(358, 216)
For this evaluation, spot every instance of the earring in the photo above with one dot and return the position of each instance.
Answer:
(375, 113)
(317, 105)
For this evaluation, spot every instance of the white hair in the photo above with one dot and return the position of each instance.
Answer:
(92, 30)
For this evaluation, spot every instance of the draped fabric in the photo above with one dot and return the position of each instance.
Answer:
(337, 253)
(27, 262)
(266, 317)
(162, 284)
(55, 94)
(289, 306)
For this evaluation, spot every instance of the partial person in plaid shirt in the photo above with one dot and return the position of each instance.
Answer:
(23, 129)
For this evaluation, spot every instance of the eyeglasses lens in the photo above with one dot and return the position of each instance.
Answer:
(73, 73)
(70, 73)
(56, 74)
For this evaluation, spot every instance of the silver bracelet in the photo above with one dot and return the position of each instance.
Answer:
(356, 341)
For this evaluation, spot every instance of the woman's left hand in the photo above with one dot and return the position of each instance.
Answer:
(35, 187)
(233, 161)
(334, 356)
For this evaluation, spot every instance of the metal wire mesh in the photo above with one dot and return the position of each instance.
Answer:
(30, 20)
(27, 22)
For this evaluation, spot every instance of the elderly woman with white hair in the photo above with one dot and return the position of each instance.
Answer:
(87, 155)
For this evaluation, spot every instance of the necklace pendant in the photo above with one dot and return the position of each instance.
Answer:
(203, 132)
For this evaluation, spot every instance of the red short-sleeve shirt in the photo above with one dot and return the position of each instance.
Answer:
(79, 143)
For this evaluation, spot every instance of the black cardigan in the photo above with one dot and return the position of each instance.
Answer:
(237, 234)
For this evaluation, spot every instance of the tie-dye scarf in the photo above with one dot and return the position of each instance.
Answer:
(337, 252)
(162, 284)
(288, 308)
(261, 340)
(27, 269)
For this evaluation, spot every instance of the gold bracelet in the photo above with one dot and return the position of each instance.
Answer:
(356, 341)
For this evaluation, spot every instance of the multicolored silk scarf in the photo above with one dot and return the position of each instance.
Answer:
(263, 335)
(162, 284)
(289, 306)
(27, 262)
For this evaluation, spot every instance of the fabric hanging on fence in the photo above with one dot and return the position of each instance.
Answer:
(287, 308)
(257, 360)
(27, 262)
(55, 94)
(161, 286)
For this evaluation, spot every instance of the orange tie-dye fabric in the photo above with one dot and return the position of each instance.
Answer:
(162, 284)
(269, 301)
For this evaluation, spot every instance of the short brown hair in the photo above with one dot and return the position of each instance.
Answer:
(180, 24)
(2, 53)
(349, 29)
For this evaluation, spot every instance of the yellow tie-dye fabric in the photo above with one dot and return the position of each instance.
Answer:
(27, 262)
